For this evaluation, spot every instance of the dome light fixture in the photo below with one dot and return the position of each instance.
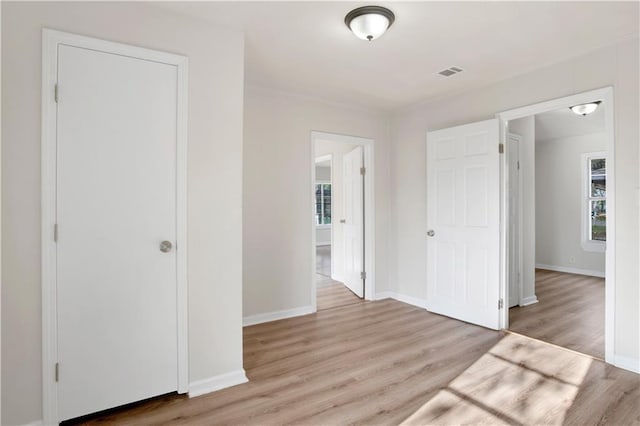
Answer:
(585, 109)
(369, 22)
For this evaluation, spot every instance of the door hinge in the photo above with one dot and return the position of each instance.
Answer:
(518, 165)
(55, 233)
(500, 304)
(363, 171)
(363, 275)
(57, 369)
(501, 148)
(55, 93)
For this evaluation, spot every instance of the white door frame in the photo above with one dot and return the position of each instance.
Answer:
(369, 210)
(50, 41)
(603, 94)
(520, 222)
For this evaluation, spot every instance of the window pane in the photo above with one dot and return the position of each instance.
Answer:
(598, 165)
(598, 177)
(318, 204)
(599, 220)
(326, 189)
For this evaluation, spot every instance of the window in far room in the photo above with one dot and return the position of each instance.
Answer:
(323, 204)
(594, 201)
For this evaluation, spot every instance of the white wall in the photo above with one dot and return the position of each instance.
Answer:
(559, 202)
(277, 146)
(323, 235)
(214, 178)
(337, 151)
(615, 66)
(525, 127)
(323, 174)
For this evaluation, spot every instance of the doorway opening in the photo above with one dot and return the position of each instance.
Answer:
(558, 195)
(330, 286)
(342, 220)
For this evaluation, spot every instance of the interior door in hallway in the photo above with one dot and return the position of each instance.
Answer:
(463, 223)
(116, 215)
(353, 221)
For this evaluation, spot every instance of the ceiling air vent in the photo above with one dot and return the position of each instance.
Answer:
(450, 71)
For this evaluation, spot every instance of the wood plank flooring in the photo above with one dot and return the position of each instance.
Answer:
(388, 363)
(569, 312)
(323, 263)
(330, 293)
(335, 294)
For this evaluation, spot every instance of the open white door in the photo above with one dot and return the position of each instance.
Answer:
(353, 222)
(463, 223)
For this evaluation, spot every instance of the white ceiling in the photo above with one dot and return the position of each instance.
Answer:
(305, 47)
(563, 123)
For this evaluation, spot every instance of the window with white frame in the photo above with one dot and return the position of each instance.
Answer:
(323, 204)
(594, 166)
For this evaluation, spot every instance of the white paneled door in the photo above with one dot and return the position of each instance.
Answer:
(353, 222)
(463, 219)
(116, 215)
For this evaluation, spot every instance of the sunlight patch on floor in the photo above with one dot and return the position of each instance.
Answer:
(519, 381)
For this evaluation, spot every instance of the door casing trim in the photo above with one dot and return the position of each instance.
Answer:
(369, 210)
(606, 95)
(51, 39)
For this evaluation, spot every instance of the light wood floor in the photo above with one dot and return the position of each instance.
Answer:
(569, 312)
(388, 363)
(335, 294)
(330, 293)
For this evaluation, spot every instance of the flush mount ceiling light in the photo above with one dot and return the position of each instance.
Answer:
(369, 22)
(585, 109)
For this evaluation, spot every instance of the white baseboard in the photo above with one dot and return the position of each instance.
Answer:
(277, 315)
(410, 300)
(212, 384)
(34, 423)
(338, 278)
(626, 363)
(569, 270)
(530, 300)
(384, 295)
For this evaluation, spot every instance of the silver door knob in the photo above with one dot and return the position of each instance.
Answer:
(166, 246)
(343, 220)
(431, 232)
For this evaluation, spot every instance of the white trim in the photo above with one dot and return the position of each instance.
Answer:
(530, 300)
(520, 223)
(323, 158)
(384, 295)
(627, 363)
(216, 383)
(568, 270)
(34, 423)
(277, 315)
(409, 300)
(606, 95)
(50, 41)
(585, 238)
(182, 296)
(369, 210)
